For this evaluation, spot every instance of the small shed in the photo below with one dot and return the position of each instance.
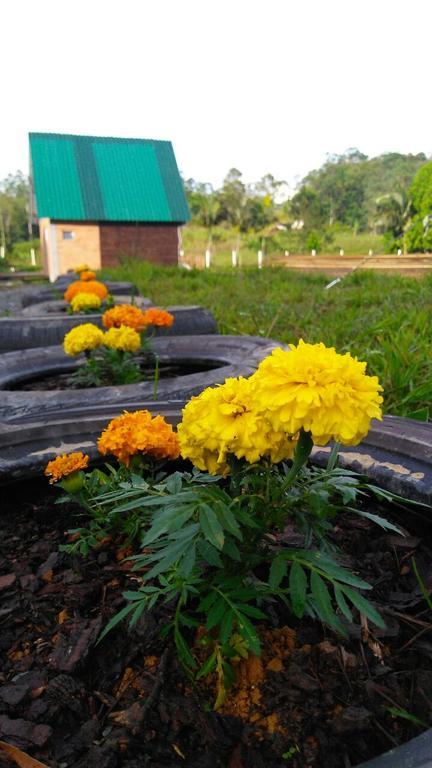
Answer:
(100, 199)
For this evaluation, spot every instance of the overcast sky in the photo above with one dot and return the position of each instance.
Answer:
(267, 87)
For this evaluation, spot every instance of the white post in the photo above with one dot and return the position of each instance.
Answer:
(341, 252)
(399, 252)
(32, 257)
(2, 251)
(260, 259)
(287, 253)
(234, 258)
(370, 252)
(313, 252)
(207, 258)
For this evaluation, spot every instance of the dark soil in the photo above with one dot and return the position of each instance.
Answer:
(167, 370)
(314, 700)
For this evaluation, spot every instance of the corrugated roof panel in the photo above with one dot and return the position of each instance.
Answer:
(131, 182)
(56, 179)
(93, 178)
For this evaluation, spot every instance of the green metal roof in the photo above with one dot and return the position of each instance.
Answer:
(91, 178)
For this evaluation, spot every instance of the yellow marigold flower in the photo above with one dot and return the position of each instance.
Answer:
(223, 420)
(83, 286)
(124, 314)
(65, 465)
(314, 388)
(85, 301)
(87, 274)
(81, 268)
(123, 338)
(82, 338)
(139, 433)
(159, 317)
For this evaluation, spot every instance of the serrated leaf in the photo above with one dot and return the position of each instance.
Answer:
(248, 632)
(342, 604)
(251, 610)
(210, 554)
(188, 561)
(216, 613)
(211, 527)
(207, 667)
(183, 650)
(226, 626)
(228, 521)
(231, 549)
(298, 589)
(174, 483)
(364, 606)
(381, 521)
(278, 571)
(116, 620)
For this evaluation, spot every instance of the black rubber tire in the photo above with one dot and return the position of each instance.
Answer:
(56, 308)
(22, 332)
(236, 355)
(55, 291)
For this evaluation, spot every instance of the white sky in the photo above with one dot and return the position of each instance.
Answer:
(268, 86)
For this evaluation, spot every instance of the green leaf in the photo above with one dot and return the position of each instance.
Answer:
(216, 613)
(322, 601)
(278, 570)
(174, 483)
(211, 527)
(188, 561)
(342, 603)
(228, 521)
(248, 632)
(226, 626)
(298, 589)
(183, 650)
(116, 620)
(231, 549)
(364, 606)
(333, 458)
(207, 667)
(251, 610)
(210, 554)
(381, 521)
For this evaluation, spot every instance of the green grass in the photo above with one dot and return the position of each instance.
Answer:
(384, 320)
(225, 239)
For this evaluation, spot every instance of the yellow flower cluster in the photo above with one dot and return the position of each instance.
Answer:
(313, 387)
(85, 301)
(124, 314)
(65, 465)
(224, 420)
(124, 338)
(85, 286)
(309, 388)
(139, 433)
(82, 338)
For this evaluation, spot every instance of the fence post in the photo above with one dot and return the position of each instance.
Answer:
(341, 252)
(2, 251)
(260, 259)
(313, 252)
(32, 257)
(370, 252)
(207, 258)
(234, 258)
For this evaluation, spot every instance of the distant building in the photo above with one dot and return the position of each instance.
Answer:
(100, 199)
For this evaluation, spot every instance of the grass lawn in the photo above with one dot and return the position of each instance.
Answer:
(384, 320)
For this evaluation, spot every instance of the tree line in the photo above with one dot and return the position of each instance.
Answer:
(390, 195)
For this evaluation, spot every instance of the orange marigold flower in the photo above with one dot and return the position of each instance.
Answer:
(124, 314)
(159, 317)
(139, 433)
(83, 286)
(87, 274)
(65, 465)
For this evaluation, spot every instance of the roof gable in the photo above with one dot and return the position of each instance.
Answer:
(92, 178)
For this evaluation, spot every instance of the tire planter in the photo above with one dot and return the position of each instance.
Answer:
(22, 332)
(56, 290)
(57, 308)
(233, 356)
(28, 447)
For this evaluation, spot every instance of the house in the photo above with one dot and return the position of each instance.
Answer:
(100, 199)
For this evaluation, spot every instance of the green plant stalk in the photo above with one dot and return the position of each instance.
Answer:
(301, 455)
(156, 378)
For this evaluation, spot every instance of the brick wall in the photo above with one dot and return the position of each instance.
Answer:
(147, 242)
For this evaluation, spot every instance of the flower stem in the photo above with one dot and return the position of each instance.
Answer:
(156, 378)
(301, 455)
